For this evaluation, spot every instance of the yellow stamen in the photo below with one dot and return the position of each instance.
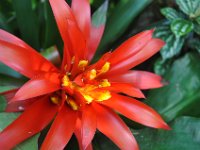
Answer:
(82, 64)
(88, 98)
(104, 83)
(65, 67)
(93, 74)
(55, 100)
(105, 68)
(65, 80)
(101, 95)
(73, 60)
(73, 104)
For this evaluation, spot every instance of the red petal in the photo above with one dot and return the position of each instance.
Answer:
(9, 38)
(136, 111)
(62, 14)
(38, 86)
(21, 57)
(126, 89)
(149, 50)
(88, 126)
(113, 127)
(79, 136)
(9, 94)
(131, 47)
(61, 130)
(139, 79)
(33, 120)
(69, 30)
(81, 11)
(95, 38)
(20, 105)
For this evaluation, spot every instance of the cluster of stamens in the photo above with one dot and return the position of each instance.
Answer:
(91, 88)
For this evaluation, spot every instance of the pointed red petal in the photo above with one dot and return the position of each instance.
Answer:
(38, 86)
(113, 127)
(131, 47)
(9, 38)
(28, 123)
(95, 38)
(20, 105)
(61, 130)
(62, 14)
(149, 50)
(88, 126)
(126, 89)
(69, 30)
(139, 79)
(79, 136)
(136, 111)
(9, 94)
(21, 57)
(81, 11)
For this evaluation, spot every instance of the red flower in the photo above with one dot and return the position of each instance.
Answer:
(82, 97)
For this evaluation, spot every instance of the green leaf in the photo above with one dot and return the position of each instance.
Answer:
(8, 71)
(51, 31)
(10, 81)
(30, 144)
(101, 142)
(181, 95)
(190, 7)
(52, 55)
(198, 20)
(119, 20)
(170, 13)
(197, 28)
(2, 104)
(99, 16)
(3, 24)
(194, 44)
(27, 22)
(173, 44)
(185, 135)
(161, 66)
(181, 27)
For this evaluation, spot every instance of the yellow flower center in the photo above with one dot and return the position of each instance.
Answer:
(92, 88)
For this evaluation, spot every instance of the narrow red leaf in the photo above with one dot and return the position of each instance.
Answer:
(151, 48)
(139, 79)
(114, 128)
(28, 123)
(136, 111)
(131, 47)
(38, 86)
(25, 61)
(126, 89)
(88, 126)
(61, 130)
(95, 38)
(81, 11)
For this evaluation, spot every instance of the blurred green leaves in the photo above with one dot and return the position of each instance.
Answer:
(181, 95)
(181, 27)
(119, 20)
(170, 13)
(29, 30)
(185, 135)
(173, 43)
(100, 15)
(189, 7)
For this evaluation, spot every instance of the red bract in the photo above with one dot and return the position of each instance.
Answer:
(79, 97)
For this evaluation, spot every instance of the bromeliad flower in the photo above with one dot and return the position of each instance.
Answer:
(79, 97)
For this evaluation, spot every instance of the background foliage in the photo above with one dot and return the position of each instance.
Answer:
(177, 22)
